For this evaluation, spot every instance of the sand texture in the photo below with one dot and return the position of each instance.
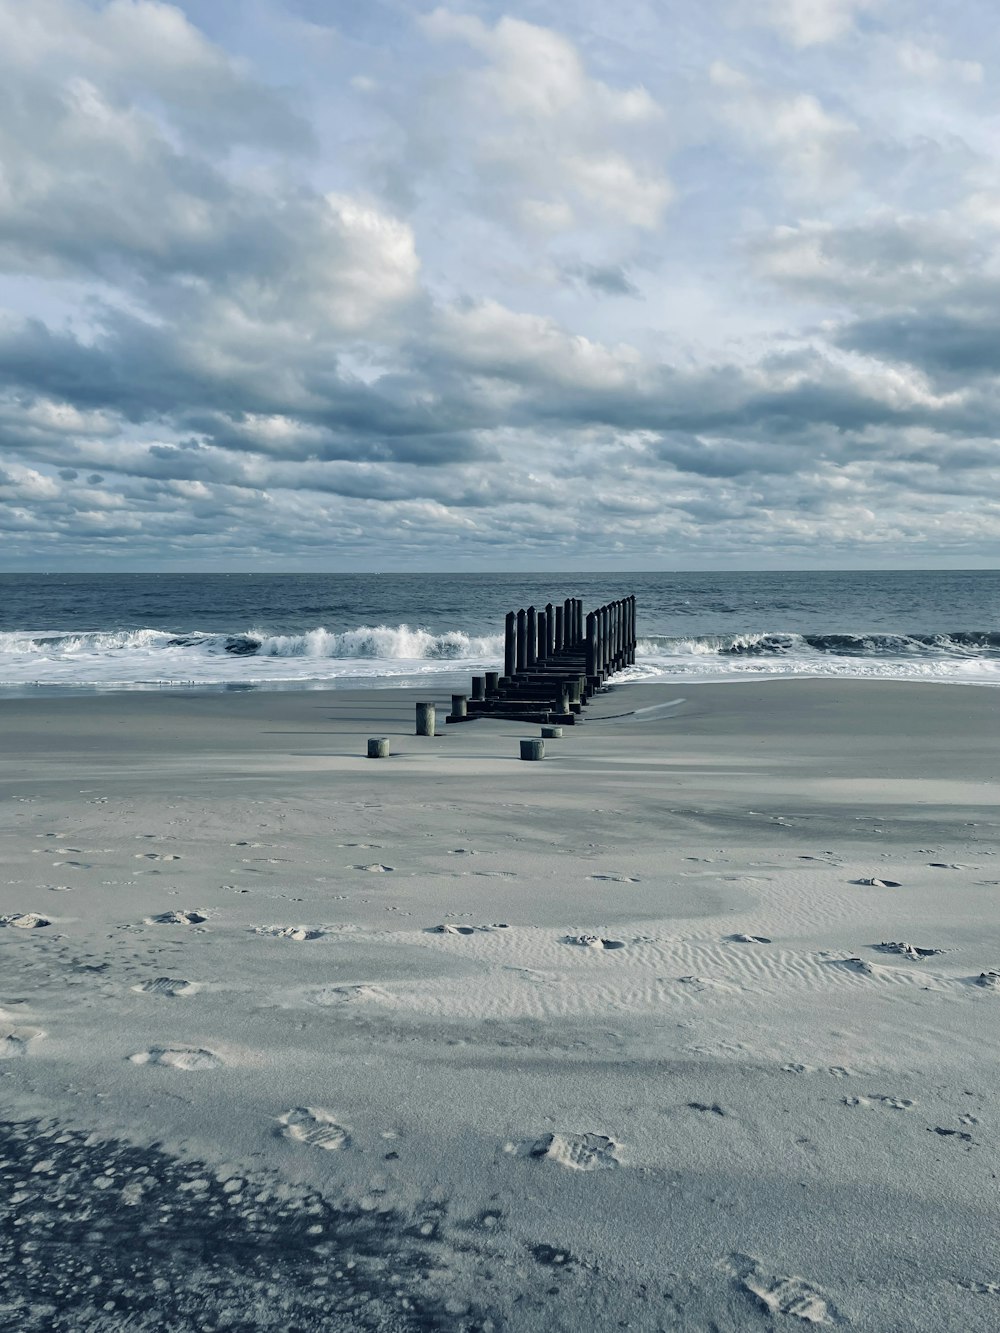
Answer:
(692, 1025)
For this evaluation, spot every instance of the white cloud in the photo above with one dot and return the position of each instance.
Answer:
(809, 144)
(923, 62)
(569, 144)
(813, 22)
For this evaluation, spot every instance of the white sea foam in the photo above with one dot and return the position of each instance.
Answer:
(374, 654)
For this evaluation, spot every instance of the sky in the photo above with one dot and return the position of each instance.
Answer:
(312, 285)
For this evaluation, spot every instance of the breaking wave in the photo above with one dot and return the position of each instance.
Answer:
(387, 654)
(973, 644)
(157, 657)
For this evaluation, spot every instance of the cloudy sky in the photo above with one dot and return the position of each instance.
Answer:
(321, 284)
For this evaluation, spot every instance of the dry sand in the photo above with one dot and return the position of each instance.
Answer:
(650, 1035)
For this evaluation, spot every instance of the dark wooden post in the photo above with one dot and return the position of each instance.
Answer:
(543, 636)
(478, 687)
(492, 683)
(531, 653)
(522, 640)
(591, 645)
(618, 635)
(550, 631)
(568, 622)
(510, 644)
(578, 627)
(605, 638)
(560, 629)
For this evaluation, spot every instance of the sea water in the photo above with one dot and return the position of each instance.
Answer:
(302, 631)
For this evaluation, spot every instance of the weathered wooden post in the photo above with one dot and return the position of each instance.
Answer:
(531, 655)
(578, 622)
(550, 631)
(492, 683)
(510, 644)
(591, 645)
(568, 622)
(426, 719)
(605, 638)
(618, 635)
(459, 705)
(560, 629)
(378, 747)
(542, 623)
(532, 749)
(478, 687)
(522, 640)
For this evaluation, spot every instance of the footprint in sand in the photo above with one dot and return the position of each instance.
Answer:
(167, 986)
(875, 1099)
(950, 865)
(14, 1042)
(155, 856)
(705, 984)
(907, 950)
(748, 939)
(988, 980)
(25, 921)
(779, 1294)
(615, 879)
(376, 868)
(713, 1109)
(177, 919)
(314, 1126)
(592, 942)
(329, 996)
(579, 1152)
(495, 874)
(178, 1057)
(450, 928)
(871, 882)
(290, 932)
(462, 851)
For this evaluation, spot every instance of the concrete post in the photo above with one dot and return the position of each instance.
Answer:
(532, 749)
(378, 747)
(478, 687)
(460, 705)
(426, 718)
(492, 683)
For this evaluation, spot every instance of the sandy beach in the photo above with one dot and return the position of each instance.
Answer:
(690, 1026)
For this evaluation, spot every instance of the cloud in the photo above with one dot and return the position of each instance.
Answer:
(809, 145)
(813, 22)
(382, 313)
(566, 144)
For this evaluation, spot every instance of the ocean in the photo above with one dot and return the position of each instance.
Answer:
(300, 631)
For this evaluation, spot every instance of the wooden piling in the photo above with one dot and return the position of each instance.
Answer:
(492, 683)
(478, 687)
(531, 652)
(459, 705)
(532, 748)
(522, 641)
(378, 747)
(510, 644)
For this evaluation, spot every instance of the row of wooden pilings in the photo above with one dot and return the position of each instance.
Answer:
(555, 659)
